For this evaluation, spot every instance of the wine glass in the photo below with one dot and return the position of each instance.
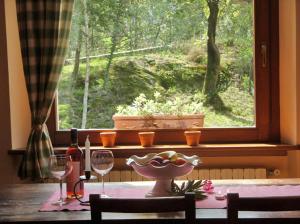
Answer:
(60, 167)
(102, 163)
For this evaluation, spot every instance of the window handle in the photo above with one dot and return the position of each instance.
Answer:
(264, 55)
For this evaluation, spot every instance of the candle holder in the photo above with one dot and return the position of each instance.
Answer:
(86, 177)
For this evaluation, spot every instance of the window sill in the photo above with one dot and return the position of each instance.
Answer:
(204, 150)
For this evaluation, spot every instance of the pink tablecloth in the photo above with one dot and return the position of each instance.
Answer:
(209, 202)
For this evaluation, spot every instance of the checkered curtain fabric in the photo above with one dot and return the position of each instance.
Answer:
(44, 30)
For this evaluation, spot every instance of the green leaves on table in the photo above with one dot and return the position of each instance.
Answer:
(189, 186)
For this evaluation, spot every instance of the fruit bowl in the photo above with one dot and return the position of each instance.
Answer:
(163, 167)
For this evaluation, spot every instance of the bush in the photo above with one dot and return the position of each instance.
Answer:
(162, 104)
(196, 55)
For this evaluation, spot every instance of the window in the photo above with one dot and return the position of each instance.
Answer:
(131, 46)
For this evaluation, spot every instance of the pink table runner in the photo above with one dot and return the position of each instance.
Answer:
(209, 202)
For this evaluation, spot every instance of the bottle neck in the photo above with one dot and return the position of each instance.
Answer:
(74, 144)
(74, 137)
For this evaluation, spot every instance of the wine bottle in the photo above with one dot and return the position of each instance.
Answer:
(77, 161)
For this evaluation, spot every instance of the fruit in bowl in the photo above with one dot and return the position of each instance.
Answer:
(164, 158)
(163, 167)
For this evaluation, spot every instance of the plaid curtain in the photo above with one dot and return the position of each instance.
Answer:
(44, 30)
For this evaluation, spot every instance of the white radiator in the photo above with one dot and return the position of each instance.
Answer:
(196, 174)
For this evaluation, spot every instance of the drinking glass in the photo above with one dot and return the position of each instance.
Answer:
(60, 167)
(102, 163)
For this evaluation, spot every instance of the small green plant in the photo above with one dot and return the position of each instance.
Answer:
(163, 104)
(189, 186)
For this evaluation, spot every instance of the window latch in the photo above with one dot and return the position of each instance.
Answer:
(264, 55)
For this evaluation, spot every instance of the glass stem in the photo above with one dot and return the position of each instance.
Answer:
(102, 177)
(60, 191)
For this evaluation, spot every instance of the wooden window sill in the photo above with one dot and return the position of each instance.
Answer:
(204, 150)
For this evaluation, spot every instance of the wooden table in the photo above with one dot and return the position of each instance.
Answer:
(19, 203)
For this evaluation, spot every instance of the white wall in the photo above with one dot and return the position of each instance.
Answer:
(298, 67)
(290, 80)
(19, 106)
(289, 71)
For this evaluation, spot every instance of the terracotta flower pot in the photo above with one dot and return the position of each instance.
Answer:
(192, 137)
(158, 121)
(146, 138)
(108, 138)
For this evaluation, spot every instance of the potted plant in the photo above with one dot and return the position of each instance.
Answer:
(146, 138)
(161, 111)
(108, 138)
(192, 137)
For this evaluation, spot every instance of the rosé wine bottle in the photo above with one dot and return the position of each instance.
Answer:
(77, 161)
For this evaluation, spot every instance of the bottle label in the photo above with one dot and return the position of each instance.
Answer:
(73, 177)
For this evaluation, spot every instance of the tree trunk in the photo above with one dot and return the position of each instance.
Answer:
(110, 59)
(131, 33)
(136, 30)
(251, 78)
(92, 39)
(87, 73)
(170, 36)
(158, 31)
(114, 42)
(74, 77)
(77, 58)
(213, 55)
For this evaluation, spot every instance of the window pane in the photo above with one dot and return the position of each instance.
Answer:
(144, 57)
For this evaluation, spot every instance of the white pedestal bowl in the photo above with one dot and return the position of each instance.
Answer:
(163, 175)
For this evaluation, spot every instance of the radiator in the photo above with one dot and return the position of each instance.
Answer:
(236, 173)
(196, 174)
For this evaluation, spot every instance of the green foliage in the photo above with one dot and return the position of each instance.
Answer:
(163, 104)
(197, 55)
(131, 76)
(225, 78)
(176, 71)
(189, 186)
(241, 110)
(241, 104)
(64, 120)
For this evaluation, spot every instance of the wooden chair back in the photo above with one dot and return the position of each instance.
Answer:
(143, 205)
(235, 203)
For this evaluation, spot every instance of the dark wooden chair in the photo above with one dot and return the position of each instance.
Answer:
(143, 205)
(268, 204)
